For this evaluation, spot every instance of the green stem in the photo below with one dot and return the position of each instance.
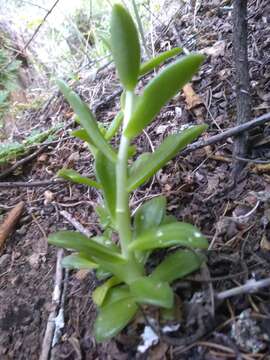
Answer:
(122, 198)
(123, 218)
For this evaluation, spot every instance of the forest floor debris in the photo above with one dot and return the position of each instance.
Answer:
(196, 185)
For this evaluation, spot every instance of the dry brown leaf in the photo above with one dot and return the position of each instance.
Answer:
(192, 99)
(81, 274)
(265, 243)
(218, 49)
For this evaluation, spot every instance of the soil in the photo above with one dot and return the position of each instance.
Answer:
(235, 217)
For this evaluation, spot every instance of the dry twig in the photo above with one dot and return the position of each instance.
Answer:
(75, 223)
(250, 287)
(56, 299)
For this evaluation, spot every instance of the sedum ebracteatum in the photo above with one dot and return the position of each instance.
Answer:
(123, 266)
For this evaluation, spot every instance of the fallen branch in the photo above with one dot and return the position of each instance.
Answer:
(250, 287)
(235, 131)
(22, 161)
(56, 300)
(10, 222)
(12, 184)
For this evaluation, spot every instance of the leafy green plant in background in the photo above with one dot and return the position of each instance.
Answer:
(10, 151)
(8, 78)
(124, 267)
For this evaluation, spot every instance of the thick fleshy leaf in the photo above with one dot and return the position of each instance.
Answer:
(117, 293)
(87, 120)
(125, 46)
(81, 243)
(104, 240)
(150, 214)
(168, 219)
(177, 265)
(174, 234)
(102, 274)
(114, 126)
(101, 291)
(105, 173)
(160, 90)
(146, 166)
(158, 60)
(153, 292)
(113, 317)
(82, 135)
(75, 177)
(127, 272)
(78, 261)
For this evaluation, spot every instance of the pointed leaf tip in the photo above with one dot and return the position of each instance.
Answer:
(125, 46)
(160, 90)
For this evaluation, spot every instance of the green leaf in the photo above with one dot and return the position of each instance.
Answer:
(168, 219)
(78, 261)
(113, 317)
(81, 243)
(75, 177)
(177, 265)
(105, 173)
(87, 120)
(117, 293)
(114, 126)
(132, 150)
(104, 240)
(102, 274)
(160, 90)
(158, 60)
(153, 292)
(125, 46)
(148, 164)
(174, 234)
(82, 135)
(150, 214)
(104, 216)
(128, 272)
(99, 294)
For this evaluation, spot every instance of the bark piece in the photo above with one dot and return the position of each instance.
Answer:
(10, 222)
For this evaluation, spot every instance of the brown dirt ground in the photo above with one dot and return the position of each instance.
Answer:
(198, 191)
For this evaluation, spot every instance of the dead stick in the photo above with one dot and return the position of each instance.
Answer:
(56, 299)
(236, 130)
(22, 161)
(10, 222)
(251, 286)
(12, 184)
(75, 223)
(192, 147)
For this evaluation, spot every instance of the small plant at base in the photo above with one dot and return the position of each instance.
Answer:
(123, 268)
